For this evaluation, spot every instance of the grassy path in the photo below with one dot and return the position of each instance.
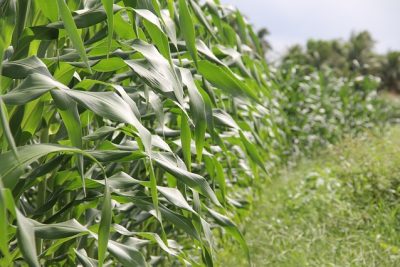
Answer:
(341, 209)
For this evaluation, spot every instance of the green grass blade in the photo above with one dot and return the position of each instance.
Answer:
(49, 9)
(10, 172)
(187, 28)
(193, 180)
(127, 255)
(175, 197)
(108, 6)
(4, 226)
(186, 138)
(197, 107)
(26, 239)
(72, 30)
(6, 129)
(223, 78)
(105, 224)
(153, 27)
(252, 151)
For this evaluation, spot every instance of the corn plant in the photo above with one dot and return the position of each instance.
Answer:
(320, 107)
(125, 128)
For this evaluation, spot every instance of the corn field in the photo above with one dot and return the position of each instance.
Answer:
(133, 132)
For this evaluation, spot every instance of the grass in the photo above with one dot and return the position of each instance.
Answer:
(339, 209)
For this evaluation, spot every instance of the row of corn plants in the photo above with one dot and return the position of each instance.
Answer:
(320, 107)
(132, 132)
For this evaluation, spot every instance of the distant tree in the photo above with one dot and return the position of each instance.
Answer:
(390, 72)
(295, 54)
(262, 34)
(327, 53)
(360, 51)
(348, 58)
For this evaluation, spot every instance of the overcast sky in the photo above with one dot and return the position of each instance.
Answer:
(295, 21)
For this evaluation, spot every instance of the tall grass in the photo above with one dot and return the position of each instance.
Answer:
(130, 130)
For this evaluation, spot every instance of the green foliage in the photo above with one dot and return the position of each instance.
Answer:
(338, 209)
(391, 71)
(134, 131)
(349, 59)
(117, 142)
(321, 107)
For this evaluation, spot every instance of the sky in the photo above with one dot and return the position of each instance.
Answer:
(295, 21)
